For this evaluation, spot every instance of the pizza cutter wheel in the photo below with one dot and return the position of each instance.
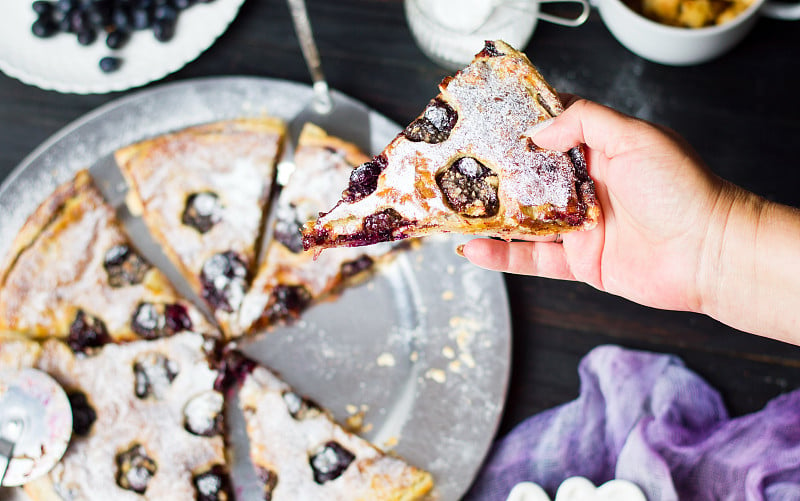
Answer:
(35, 425)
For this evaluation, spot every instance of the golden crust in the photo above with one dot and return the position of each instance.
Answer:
(234, 160)
(55, 269)
(323, 164)
(488, 107)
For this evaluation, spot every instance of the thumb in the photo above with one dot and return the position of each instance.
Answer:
(585, 122)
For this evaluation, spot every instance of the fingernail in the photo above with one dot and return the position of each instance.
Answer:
(536, 128)
(460, 250)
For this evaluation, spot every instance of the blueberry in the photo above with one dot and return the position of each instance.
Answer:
(224, 278)
(435, 124)
(121, 18)
(153, 373)
(141, 19)
(87, 332)
(213, 485)
(42, 7)
(83, 415)
(364, 179)
(330, 461)
(287, 302)
(299, 407)
(66, 5)
(269, 479)
(43, 28)
(151, 321)
(117, 39)
(203, 414)
(202, 211)
(110, 64)
(163, 29)
(287, 229)
(165, 13)
(470, 188)
(356, 266)
(87, 36)
(124, 266)
(135, 469)
(183, 4)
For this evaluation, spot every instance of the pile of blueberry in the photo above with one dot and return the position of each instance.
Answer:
(113, 20)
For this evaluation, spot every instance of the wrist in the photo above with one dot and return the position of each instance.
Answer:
(729, 256)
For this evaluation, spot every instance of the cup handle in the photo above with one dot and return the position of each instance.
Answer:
(779, 10)
(567, 21)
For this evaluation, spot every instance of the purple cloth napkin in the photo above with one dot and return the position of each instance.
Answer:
(646, 418)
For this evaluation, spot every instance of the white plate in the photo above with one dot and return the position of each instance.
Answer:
(423, 348)
(60, 63)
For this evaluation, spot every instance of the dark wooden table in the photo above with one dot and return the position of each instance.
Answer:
(741, 112)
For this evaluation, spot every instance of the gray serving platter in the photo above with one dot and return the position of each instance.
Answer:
(420, 352)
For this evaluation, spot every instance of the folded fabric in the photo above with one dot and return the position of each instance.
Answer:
(646, 418)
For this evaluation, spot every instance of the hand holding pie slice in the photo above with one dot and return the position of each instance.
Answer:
(468, 165)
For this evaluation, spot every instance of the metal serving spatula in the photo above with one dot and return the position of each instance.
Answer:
(345, 119)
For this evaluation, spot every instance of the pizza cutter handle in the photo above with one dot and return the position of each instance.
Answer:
(322, 96)
(9, 434)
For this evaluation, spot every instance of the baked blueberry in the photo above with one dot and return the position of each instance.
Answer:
(287, 301)
(135, 469)
(83, 415)
(330, 461)
(202, 414)
(490, 50)
(378, 227)
(124, 266)
(153, 373)
(470, 188)
(364, 179)
(435, 124)
(213, 485)
(224, 280)
(269, 479)
(152, 321)
(202, 211)
(287, 229)
(300, 408)
(356, 266)
(87, 332)
(232, 367)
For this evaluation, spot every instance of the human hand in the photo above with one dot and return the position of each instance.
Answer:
(658, 200)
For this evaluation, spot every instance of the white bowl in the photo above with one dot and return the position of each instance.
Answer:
(684, 46)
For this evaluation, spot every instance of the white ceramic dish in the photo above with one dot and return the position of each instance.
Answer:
(61, 64)
(685, 46)
(422, 349)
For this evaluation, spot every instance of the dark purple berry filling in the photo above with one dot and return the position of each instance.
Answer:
(364, 179)
(269, 479)
(87, 332)
(213, 485)
(135, 469)
(224, 280)
(470, 188)
(287, 301)
(151, 321)
(153, 373)
(490, 50)
(299, 407)
(202, 211)
(232, 367)
(202, 414)
(356, 266)
(83, 415)
(287, 229)
(435, 124)
(330, 461)
(379, 227)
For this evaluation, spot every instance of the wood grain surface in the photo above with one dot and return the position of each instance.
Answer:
(741, 112)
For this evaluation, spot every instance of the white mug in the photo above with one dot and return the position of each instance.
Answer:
(451, 32)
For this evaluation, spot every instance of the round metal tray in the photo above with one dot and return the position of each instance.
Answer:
(420, 352)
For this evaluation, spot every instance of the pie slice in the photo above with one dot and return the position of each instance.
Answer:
(467, 165)
(72, 273)
(299, 452)
(289, 279)
(147, 421)
(202, 193)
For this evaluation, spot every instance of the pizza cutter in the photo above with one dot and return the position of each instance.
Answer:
(35, 425)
